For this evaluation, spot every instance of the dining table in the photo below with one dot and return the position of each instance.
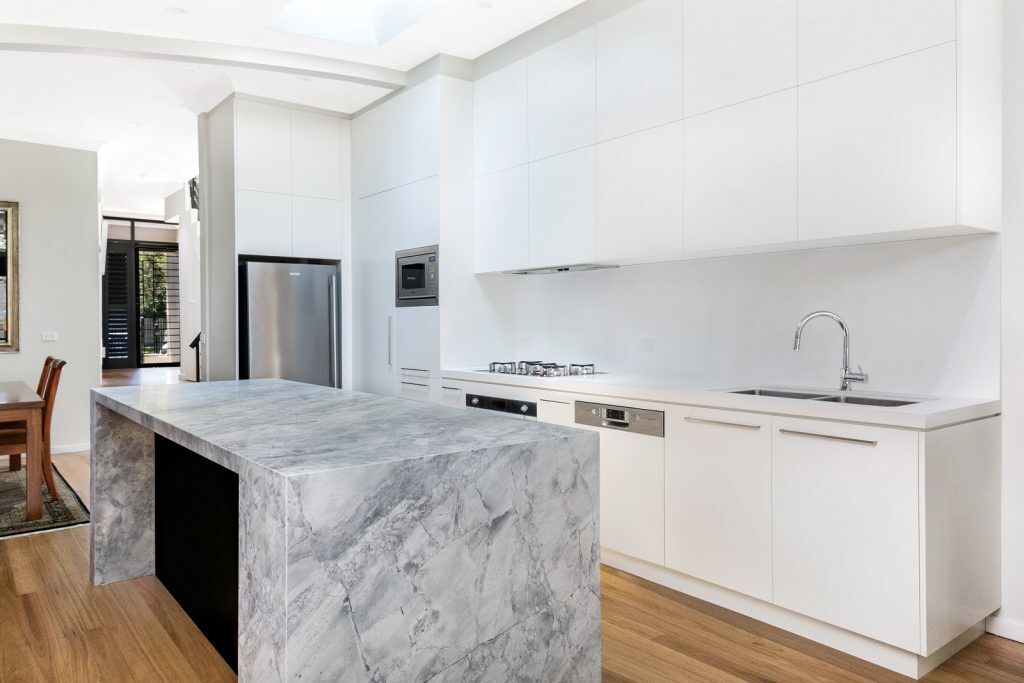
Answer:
(20, 403)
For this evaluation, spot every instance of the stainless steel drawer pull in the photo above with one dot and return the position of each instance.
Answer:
(829, 437)
(416, 384)
(738, 425)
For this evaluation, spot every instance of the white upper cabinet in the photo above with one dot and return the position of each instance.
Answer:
(263, 156)
(416, 119)
(639, 68)
(502, 219)
(734, 50)
(417, 214)
(839, 35)
(639, 205)
(316, 228)
(373, 151)
(263, 223)
(563, 196)
(500, 120)
(741, 174)
(560, 98)
(878, 147)
(316, 155)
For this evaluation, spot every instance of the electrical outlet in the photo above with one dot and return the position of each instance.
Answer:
(647, 346)
(49, 336)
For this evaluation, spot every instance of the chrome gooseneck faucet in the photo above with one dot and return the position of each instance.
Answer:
(848, 374)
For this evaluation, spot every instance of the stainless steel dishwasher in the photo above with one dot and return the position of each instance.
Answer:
(632, 477)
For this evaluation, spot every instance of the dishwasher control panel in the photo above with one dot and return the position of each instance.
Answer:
(621, 418)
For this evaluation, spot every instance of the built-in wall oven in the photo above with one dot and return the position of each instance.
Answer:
(506, 406)
(416, 277)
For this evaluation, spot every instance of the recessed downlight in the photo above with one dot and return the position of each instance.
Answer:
(485, 5)
(176, 10)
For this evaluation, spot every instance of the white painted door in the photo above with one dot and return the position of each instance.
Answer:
(416, 389)
(416, 119)
(557, 411)
(740, 181)
(419, 341)
(639, 68)
(502, 220)
(417, 214)
(373, 294)
(639, 197)
(373, 151)
(563, 196)
(316, 155)
(878, 147)
(845, 527)
(263, 223)
(633, 495)
(499, 120)
(718, 497)
(316, 228)
(263, 147)
(561, 95)
(734, 50)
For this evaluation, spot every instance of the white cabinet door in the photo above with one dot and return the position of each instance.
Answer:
(734, 50)
(845, 527)
(263, 223)
(419, 341)
(840, 35)
(417, 214)
(639, 194)
(557, 411)
(452, 395)
(373, 151)
(263, 147)
(878, 147)
(316, 155)
(741, 174)
(373, 293)
(499, 120)
(563, 197)
(718, 498)
(316, 228)
(502, 220)
(560, 102)
(639, 68)
(414, 389)
(416, 120)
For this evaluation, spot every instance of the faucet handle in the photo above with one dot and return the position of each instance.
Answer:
(859, 376)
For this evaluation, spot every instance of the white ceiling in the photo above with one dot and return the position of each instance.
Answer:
(136, 111)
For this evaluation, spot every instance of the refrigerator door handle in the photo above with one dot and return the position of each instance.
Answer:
(332, 290)
(389, 342)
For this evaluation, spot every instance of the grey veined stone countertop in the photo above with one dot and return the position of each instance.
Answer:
(293, 428)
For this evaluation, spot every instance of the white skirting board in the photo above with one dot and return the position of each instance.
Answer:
(1006, 628)
(887, 656)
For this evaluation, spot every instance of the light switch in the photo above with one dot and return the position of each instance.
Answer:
(49, 336)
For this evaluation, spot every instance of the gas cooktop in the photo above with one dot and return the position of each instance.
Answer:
(536, 368)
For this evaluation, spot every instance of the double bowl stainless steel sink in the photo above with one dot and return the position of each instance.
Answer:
(827, 398)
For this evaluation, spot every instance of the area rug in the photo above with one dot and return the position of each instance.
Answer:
(66, 512)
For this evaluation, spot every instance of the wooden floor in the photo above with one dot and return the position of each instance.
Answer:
(56, 626)
(130, 376)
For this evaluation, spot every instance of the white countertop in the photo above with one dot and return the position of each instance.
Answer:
(930, 412)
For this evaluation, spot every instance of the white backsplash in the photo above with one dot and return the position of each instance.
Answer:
(924, 316)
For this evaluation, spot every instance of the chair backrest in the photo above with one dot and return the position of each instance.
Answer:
(44, 376)
(50, 394)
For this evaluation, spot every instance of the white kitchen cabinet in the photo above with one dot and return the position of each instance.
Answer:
(734, 50)
(878, 147)
(419, 341)
(417, 214)
(316, 155)
(373, 293)
(639, 202)
(500, 120)
(563, 198)
(416, 389)
(316, 228)
(845, 527)
(415, 118)
(560, 100)
(373, 151)
(502, 220)
(840, 35)
(639, 72)
(559, 411)
(740, 181)
(452, 394)
(263, 223)
(263, 148)
(718, 497)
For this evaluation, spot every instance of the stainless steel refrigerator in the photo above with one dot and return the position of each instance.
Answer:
(289, 321)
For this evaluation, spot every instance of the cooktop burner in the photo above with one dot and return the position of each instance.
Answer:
(536, 368)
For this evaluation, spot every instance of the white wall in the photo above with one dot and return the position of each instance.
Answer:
(60, 286)
(1010, 619)
(924, 316)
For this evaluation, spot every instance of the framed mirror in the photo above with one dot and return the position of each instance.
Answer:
(8, 277)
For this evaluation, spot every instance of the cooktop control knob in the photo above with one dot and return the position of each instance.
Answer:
(524, 408)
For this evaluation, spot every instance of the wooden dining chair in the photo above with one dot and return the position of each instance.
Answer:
(15, 441)
(14, 461)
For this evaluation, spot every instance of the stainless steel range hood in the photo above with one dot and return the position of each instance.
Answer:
(560, 269)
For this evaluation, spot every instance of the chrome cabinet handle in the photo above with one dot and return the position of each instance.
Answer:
(390, 364)
(738, 425)
(415, 384)
(332, 292)
(829, 437)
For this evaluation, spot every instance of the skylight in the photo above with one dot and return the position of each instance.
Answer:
(370, 23)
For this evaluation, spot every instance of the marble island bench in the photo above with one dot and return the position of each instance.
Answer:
(335, 535)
